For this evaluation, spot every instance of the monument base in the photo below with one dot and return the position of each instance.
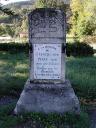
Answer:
(48, 98)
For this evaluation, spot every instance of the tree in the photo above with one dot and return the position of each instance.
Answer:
(51, 3)
(2, 30)
(24, 26)
(10, 30)
(83, 18)
(6, 10)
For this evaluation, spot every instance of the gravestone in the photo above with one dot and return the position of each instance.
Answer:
(46, 37)
(47, 90)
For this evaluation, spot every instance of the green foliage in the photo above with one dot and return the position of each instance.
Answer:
(73, 49)
(24, 25)
(82, 73)
(50, 3)
(9, 30)
(79, 49)
(2, 30)
(6, 10)
(83, 18)
(14, 24)
(7, 120)
(40, 3)
(57, 120)
(14, 73)
(14, 47)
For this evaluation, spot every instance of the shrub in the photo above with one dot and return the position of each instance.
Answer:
(14, 47)
(79, 49)
(75, 49)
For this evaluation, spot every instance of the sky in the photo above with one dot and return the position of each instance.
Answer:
(9, 1)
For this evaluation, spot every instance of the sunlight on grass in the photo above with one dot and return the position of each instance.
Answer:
(19, 75)
(2, 63)
(21, 66)
(14, 71)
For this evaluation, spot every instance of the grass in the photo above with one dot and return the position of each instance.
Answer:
(82, 73)
(39, 120)
(14, 71)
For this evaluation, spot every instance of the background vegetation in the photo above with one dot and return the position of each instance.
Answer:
(72, 49)
(81, 17)
(14, 71)
(80, 62)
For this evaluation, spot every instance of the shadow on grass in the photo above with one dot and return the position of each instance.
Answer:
(13, 72)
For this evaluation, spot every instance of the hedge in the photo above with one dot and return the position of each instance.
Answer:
(14, 47)
(72, 49)
(79, 49)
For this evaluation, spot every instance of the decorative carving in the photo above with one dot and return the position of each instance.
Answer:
(45, 22)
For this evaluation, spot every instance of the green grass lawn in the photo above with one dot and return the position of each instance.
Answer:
(82, 73)
(40, 120)
(14, 71)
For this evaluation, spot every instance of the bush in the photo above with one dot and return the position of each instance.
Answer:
(75, 49)
(79, 49)
(14, 47)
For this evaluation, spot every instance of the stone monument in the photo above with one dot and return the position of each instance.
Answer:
(47, 90)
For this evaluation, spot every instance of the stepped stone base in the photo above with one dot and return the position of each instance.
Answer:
(48, 98)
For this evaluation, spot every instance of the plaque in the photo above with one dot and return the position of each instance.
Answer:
(47, 61)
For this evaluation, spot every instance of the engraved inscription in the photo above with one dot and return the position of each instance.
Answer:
(52, 22)
(47, 61)
(44, 24)
(38, 24)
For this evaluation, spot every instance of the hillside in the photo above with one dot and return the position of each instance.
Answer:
(18, 5)
(18, 8)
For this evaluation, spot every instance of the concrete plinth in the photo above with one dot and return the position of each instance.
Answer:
(48, 98)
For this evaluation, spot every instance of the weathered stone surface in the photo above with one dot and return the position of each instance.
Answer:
(47, 90)
(47, 31)
(47, 98)
(47, 61)
(46, 23)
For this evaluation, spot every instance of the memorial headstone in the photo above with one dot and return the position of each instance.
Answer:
(47, 90)
(46, 37)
